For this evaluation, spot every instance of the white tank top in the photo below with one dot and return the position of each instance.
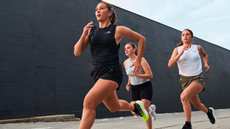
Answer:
(189, 63)
(133, 79)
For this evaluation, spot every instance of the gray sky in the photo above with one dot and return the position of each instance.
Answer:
(208, 19)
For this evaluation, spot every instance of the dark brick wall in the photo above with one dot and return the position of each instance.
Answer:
(39, 74)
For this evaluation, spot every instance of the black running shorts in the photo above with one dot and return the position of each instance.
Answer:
(142, 91)
(113, 73)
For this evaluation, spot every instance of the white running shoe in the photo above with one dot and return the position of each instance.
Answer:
(152, 111)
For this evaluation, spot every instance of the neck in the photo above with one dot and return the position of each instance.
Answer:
(132, 57)
(188, 44)
(104, 24)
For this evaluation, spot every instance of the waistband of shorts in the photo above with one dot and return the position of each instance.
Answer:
(191, 76)
(142, 83)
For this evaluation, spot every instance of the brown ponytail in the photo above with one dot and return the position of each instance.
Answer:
(179, 44)
(113, 16)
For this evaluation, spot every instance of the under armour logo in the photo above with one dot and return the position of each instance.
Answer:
(107, 32)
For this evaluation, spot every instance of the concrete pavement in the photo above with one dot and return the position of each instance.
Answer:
(163, 121)
(51, 118)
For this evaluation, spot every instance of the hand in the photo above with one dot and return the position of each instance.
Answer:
(137, 67)
(87, 28)
(127, 87)
(135, 74)
(207, 67)
(185, 47)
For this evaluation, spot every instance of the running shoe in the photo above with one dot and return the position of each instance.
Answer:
(187, 126)
(152, 111)
(142, 112)
(211, 116)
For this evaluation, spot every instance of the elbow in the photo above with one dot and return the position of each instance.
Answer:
(141, 40)
(205, 56)
(151, 76)
(144, 40)
(77, 53)
(169, 65)
(76, 50)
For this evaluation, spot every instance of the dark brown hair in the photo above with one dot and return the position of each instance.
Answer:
(181, 42)
(113, 16)
(134, 46)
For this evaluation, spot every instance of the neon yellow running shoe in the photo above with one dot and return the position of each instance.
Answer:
(142, 112)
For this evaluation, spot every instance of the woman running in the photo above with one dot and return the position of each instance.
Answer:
(139, 83)
(187, 57)
(106, 70)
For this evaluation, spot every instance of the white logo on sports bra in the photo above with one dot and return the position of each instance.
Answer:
(107, 32)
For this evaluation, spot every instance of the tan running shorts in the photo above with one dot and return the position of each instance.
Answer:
(186, 81)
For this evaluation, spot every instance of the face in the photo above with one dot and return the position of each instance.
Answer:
(129, 50)
(102, 12)
(186, 37)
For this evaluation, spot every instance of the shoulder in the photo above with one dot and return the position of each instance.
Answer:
(198, 47)
(176, 48)
(125, 63)
(143, 60)
(175, 51)
(122, 29)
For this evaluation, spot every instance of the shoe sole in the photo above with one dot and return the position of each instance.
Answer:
(154, 115)
(143, 110)
(213, 114)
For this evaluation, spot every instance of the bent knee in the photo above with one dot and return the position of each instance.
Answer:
(184, 98)
(147, 108)
(89, 104)
(114, 109)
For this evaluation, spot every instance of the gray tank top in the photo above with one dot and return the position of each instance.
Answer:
(133, 79)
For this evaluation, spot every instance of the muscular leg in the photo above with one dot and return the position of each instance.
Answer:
(198, 105)
(196, 102)
(100, 91)
(192, 90)
(114, 104)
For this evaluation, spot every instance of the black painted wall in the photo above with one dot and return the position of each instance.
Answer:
(39, 74)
